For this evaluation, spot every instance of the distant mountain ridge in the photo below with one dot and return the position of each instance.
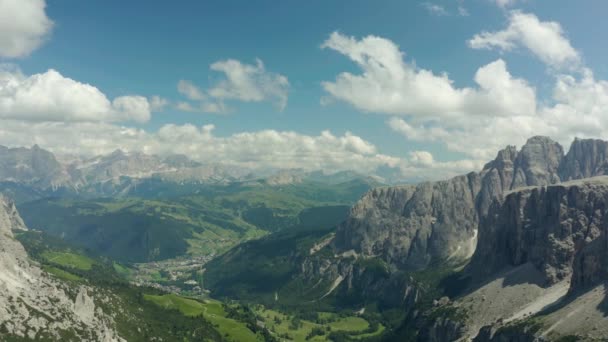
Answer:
(35, 172)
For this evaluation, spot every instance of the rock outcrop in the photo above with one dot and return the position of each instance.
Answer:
(586, 158)
(537, 163)
(36, 306)
(538, 248)
(561, 229)
(410, 227)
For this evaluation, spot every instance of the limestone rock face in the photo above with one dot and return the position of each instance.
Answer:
(497, 176)
(412, 226)
(442, 329)
(561, 229)
(586, 158)
(32, 304)
(407, 226)
(537, 163)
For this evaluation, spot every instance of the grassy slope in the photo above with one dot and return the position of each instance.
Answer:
(234, 330)
(69, 259)
(142, 230)
(254, 270)
(352, 326)
(212, 311)
(136, 319)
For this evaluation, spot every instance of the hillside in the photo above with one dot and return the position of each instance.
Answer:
(143, 230)
(408, 248)
(260, 270)
(65, 295)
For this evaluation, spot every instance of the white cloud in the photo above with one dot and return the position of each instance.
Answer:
(418, 133)
(504, 3)
(475, 122)
(242, 82)
(158, 103)
(389, 85)
(440, 11)
(249, 83)
(581, 105)
(578, 108)
(52, 97)
(190, 91)
(23, 27)
(462, 11)
(261, 149)
(545, 39)
(435, 9)
(423, 158)
(202, 107)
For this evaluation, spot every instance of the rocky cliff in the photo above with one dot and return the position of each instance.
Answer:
(412, 226)
(586, 158)
(550, 227)
(36, 306)
(542, 253)
(408, 226)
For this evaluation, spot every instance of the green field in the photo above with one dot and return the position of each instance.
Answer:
(70, 260)
(59, 273)
(256, 269)
(278, 323)
(235, 330)
(188, 307)
(213, 311)
(154, 226)
(281, 324)
(122, 270)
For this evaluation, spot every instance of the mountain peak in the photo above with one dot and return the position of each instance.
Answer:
(117, 153)
(540, 139)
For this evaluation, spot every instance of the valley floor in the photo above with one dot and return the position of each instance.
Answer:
(232, 322)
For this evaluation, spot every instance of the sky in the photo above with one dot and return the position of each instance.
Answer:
(425, 89)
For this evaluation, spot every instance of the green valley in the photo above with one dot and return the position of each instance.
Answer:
(206, 223)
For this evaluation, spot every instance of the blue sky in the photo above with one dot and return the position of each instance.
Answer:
(144, 48)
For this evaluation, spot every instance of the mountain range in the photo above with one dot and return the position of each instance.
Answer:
(29, 173)
(504, 244)
(514, 252)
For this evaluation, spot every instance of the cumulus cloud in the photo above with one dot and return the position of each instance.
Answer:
(504, 3)
(545, 39)
(260, 149)
(423, 166)
(23, 27)
(190, 91)
(423, 158)
(389, 85)
(241, 82)
(435, 9)
(418, 133)
(50, 96)
(158, 103)
(441, 11)
(475, 122)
